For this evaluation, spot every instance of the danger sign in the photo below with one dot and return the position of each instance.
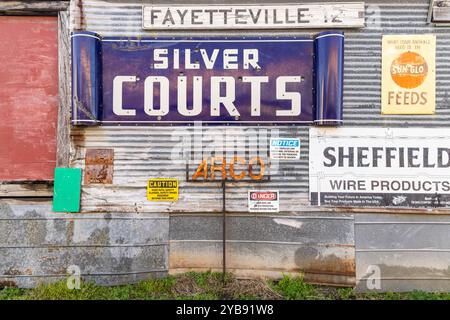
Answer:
(162, 189)
(263, 201)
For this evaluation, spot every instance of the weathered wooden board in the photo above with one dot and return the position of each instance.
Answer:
(440, 10)
(32, 189)
(34, 8)
(64, 145)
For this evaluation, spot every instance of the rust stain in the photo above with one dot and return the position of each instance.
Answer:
(338, 267)
(319, 268)
(99, 166)
(334, 265)
(7, 284)
(70, 231)
(79, 4)
(13, 272)
(328, 265)
(99, 156)
(330, 280)
(59, 271)
(194, 260)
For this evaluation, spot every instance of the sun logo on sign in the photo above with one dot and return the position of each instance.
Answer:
(409, 70)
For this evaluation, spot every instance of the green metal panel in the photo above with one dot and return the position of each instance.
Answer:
(67, 189)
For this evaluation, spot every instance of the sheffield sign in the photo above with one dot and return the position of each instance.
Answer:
(380, 167)
(179, 81)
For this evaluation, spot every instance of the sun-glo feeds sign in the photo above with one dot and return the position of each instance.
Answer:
(180, 81)
(408, 74)
(380, 167)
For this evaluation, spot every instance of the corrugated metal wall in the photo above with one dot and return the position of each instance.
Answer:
(258, 245)
(301, 237)
(257, 242)
(141, 153)
(144, 152)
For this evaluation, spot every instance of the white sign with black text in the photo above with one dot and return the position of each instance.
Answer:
(251, 16)
(263, 201)
(380, 167)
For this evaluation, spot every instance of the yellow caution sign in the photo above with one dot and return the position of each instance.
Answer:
(162, 189)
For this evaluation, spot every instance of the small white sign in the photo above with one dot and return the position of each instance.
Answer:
(245, 16)
(285, 148)
(263, 201)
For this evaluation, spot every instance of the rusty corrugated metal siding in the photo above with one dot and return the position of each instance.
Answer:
(144, 152)
(188, 233)
(259, 245)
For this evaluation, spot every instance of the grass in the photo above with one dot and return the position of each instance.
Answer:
(296, 289)
(206, 286)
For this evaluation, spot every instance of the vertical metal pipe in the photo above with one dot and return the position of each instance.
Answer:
(224, 237)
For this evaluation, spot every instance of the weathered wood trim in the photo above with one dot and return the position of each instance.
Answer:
(26, 189)
(33, 7)
(63, 141)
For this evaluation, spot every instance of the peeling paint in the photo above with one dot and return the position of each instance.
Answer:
(29, 89)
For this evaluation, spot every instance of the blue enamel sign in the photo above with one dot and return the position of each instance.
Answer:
(180, 81)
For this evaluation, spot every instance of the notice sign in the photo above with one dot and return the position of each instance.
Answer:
(380, 167)
(285, 149)
(247, 16)
(408, 74)
(263, 201)
(162, 189)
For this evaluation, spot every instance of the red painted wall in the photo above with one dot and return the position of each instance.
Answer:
(28, 97)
